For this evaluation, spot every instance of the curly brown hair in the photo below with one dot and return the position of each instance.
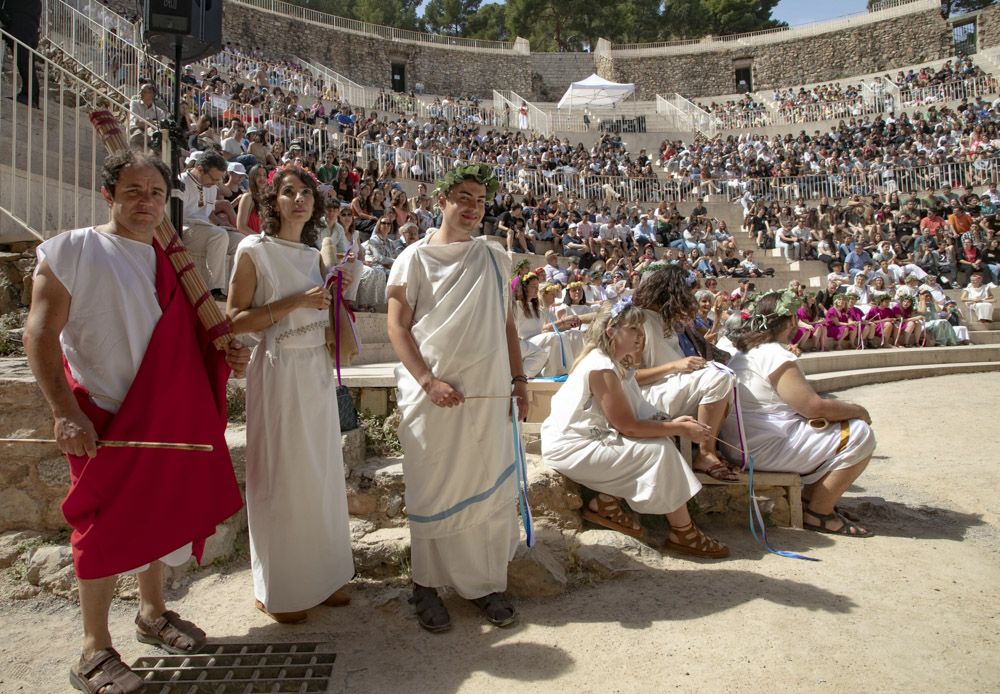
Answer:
(530, 307)
(666, 292)
(747, 339)
(270, 222)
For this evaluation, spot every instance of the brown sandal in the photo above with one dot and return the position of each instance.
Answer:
(105, 670)
(721, 473)
(609, 514)
(696, 543)
(171, 633)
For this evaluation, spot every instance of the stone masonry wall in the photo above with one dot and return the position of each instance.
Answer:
(988, 27)
(368, 61)
(882, 46)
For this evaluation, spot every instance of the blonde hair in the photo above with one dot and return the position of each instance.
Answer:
(597, 335)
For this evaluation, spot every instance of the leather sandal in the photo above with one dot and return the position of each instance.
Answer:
(847, 527)
(609, 514)
(432, 615)
(498, 609)
(695, 543)
(105, 670)
(283, 617)
(171, 633)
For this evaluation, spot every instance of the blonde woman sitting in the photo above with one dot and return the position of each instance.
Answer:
(605, 436)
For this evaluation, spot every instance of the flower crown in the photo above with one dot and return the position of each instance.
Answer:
(290, 167)
(788, 304)
(618, 308)
(480, 173)
(575, 285)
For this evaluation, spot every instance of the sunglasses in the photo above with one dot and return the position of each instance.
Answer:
(384, 224)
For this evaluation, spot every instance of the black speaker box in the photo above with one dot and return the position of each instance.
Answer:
(196, 24)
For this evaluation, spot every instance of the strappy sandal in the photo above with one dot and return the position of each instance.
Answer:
(431, 612)
(171, 633)
(847, 528)
(106, 670)
(839, 510)
(498, 609)
(609, 514)
(695, 543)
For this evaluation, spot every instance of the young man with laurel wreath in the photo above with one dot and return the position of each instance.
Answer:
(119, 354)
(451, 326)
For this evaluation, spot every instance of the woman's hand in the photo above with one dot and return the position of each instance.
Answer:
(689, 364)
(237, 356)
(692, 429)
(443, 395)
(520, 393)
(317, 298)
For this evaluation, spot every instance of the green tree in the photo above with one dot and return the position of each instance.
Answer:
(490, 23)
(449, 16)
(738, 16)
(401, 14)
(962, 6)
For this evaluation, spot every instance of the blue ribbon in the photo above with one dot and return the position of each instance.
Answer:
(521, 465)
(562, 350)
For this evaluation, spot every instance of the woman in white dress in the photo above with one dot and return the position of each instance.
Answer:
(300, 543)
(548, 347)
(675, 383)
(340, 222)
(788, 426)
(605, 436)
(978, 298)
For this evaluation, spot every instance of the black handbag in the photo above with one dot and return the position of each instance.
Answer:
(348, 413)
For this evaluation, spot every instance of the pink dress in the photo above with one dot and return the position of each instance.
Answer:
(835, 320)
(803, 333)
(880, 314)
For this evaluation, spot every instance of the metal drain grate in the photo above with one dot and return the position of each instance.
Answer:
(244, 668)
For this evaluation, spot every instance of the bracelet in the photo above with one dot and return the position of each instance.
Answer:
(269, 314)
(519, 379)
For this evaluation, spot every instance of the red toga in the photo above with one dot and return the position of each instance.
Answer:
(129, 507)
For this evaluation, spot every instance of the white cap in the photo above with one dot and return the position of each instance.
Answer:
(236, 168)
(194, 157)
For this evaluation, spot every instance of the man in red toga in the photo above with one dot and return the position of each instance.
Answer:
(119, 354)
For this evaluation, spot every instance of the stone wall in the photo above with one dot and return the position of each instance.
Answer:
(988, 27)
(881, 46)
(368, 61)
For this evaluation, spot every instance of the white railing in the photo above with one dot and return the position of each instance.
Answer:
(961, 89)
(538, 120)
(431, 166)
(700, 120)
(672, 115)
(757, 117)
(508, 105)
(431, 108)
(130, 31)
(347, 90)
(382, 32)
(776, 35)
(50, 155)
(111, 58)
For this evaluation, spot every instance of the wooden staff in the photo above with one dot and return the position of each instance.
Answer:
(218, 326)
(200, 447)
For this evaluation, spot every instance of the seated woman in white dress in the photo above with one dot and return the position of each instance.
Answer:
(548, 347)
(978, 298)
(672, 381)
(605, 436)
(788, 426)
(575, 303)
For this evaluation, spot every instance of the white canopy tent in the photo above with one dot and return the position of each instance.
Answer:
(595, 92)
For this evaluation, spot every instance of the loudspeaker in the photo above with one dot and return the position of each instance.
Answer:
(197, 24)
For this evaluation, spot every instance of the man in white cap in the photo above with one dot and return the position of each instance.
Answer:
(207, 241)
(232, 145)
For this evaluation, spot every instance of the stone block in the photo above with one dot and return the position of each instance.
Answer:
(18, 510)
(353, 446)
(374, 401)
(46, 561)
(12, 545)
(553, 496)
(385, 552)
(536, 572)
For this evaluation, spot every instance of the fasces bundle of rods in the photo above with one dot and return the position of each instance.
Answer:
(212, 319)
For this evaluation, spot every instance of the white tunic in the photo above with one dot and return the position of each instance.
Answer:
(678, 394)
(113, 311)
(458, 462)
(579, 442)
(557, 348)
(977, 301)
(779, 438)
(300, 543)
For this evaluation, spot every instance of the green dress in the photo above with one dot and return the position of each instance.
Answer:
(939, 328)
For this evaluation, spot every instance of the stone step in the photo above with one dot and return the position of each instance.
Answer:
(985, 337)
(841, 380)
(816, 363)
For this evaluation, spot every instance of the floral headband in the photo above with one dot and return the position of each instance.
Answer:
(618, 308)
(548, 288)
(574, 285)
(788, 304)
(480, 173)
(290, 167)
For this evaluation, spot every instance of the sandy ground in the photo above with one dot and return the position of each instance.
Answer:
(914, 609)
